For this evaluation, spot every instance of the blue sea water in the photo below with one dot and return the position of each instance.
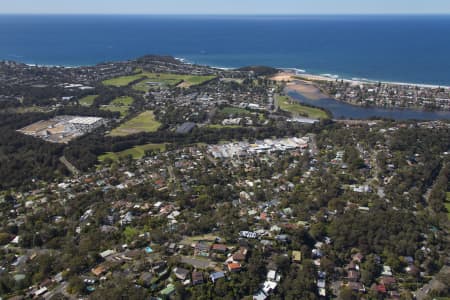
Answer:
(392, 48)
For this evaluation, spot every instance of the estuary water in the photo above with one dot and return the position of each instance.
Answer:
(341, 110)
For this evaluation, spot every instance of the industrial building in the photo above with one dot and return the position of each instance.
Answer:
(63, 129)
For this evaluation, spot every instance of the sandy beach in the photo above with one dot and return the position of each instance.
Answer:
(288, 76)
(306, 88)
(304, 83)
(283, 76)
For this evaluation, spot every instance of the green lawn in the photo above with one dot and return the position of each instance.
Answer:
(27, 109)
(163, 78)
(122, 101)
(237, 80)
(142, 86)
(166, 79)
(196, 80)
(136, 152)
(144, 122)
(121, 104)
(123, 80)
(447, 205)
(235, 111)
(123, 110)
(88, 100)
(287, 104)
(220, 126)
(175, 79)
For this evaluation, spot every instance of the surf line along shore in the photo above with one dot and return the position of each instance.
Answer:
(303, 82)
(308, 93)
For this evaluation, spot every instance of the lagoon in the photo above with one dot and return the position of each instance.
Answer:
(341, 110)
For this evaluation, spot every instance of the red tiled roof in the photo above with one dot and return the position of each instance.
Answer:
(234, 266)
(98, 271)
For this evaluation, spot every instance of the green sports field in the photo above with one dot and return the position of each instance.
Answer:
(220, 126)
(121, 104)
(136, 152)
(123, 80)
(88, 100)
(287, 104)
(165, 79)
(235, 111)
(144, 122)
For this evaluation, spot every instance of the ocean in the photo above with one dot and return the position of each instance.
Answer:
(390, 48)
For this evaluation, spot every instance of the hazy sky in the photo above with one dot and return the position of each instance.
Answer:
(226, 6)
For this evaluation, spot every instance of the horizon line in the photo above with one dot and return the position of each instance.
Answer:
(223, 15)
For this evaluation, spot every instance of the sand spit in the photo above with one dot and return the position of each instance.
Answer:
(305, 88)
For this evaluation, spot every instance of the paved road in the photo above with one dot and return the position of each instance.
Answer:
(69, 166)
(173, 178)
(313, 144)
(60, 289)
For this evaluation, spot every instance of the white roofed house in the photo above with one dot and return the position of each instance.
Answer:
(268, 286)
(107, 253)
(181, 273)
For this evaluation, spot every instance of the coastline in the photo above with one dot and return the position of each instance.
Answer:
(302, 88)
(322, 76)
(310, 87)
(330, 77)
(302, 73)
(307, 89)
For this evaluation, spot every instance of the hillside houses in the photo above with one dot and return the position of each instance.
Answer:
(389, 94)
